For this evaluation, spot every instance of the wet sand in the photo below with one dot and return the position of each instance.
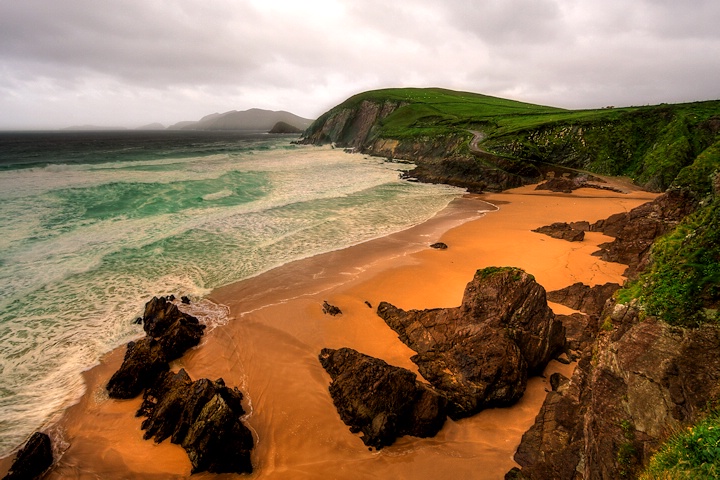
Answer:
(276, 329)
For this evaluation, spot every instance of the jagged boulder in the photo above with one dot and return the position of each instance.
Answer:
(204, 417)
(381, 401)
(33, 458)
(479, 354)
(636, 230)
(584, 298)
(170, 333)
(643, 380)
(562, 231)
(144, 361)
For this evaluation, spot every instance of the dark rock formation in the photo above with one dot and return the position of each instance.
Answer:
(644, 380)
(33, 458)
(562, 231)
(584, 298)
(580, 330)
(636, 230)
(479, 354)
(381, 401)
(144, 361)
(569, 182)
(439, 246)
(331, 309)
(204, 417)
(185, 299)
(170, 333)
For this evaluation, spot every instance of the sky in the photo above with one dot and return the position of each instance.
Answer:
(133, 62)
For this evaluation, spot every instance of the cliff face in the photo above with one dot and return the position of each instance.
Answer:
(442, 158)
(485, 143)
(638, 379)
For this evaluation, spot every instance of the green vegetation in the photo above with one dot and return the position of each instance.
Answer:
(626, 452)
(682, 285)
(693, 453)
(650, 144)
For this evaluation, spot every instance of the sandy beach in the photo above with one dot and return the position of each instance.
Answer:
(277, 328)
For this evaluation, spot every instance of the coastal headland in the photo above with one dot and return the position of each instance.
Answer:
(277, 328)
(640, 358)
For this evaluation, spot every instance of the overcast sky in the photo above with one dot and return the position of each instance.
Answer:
(133, 62)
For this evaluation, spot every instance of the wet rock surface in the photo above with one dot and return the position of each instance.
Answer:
(169, 333)
(202, 416)
(381, 401)
(33, 459)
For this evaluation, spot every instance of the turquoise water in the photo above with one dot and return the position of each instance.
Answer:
(90, 230)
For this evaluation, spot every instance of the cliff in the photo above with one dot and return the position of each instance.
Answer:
(647, 352)
(487, 143)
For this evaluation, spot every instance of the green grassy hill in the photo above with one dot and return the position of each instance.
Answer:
(650, 144)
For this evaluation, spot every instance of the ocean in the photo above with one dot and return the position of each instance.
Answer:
(93, 224)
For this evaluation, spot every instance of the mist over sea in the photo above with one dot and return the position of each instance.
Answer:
(93, 224)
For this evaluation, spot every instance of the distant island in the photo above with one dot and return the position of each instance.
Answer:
(255, 119)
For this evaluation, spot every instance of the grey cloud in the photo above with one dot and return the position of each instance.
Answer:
(185, 58)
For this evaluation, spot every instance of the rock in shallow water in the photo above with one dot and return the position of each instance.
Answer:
(170, 333)
(204, 417)
(381, 401)
(32, 459)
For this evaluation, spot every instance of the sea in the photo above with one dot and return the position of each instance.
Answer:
(94, 224)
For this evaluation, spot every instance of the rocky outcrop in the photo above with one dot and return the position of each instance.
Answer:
(641, 380)
(636, 230)
(204, 417)
(562, 231)
(439, 246)
(170, 333)
(479, 354)
(329, 309)
(33, 459)
(349, 126)
(578, 296)
(570, 182)
(381, 401)
(144, 361)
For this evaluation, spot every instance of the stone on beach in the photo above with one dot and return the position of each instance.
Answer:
(480, 354)
(381, 401)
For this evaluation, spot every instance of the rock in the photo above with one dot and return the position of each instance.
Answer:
(479, 354)
(638, 384)
(34, 458)
(181, 335)
(578, 296)
(636, 230)
(580, 330)
(204, 417)
(381, 401)
(144, 361)
(562, 231)
(331, 309)
(368, 304)
(439, 246)
(170, 333)
(160, 314)
(185, 299)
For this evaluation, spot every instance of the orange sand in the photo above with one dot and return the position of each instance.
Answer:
(270, 346)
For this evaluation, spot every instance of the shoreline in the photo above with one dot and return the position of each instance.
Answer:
(276, 328)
